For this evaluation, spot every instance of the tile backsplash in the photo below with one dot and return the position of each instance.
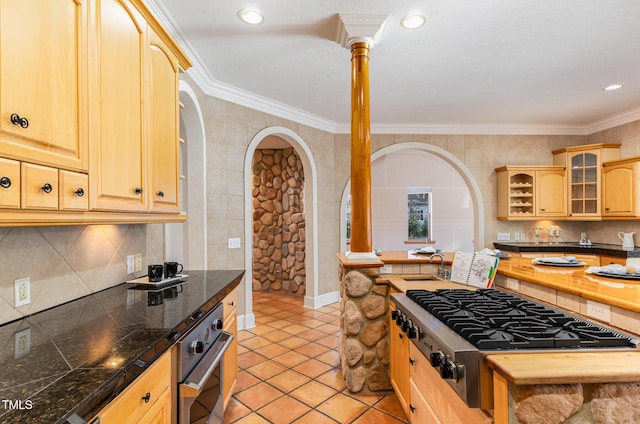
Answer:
(65, 263)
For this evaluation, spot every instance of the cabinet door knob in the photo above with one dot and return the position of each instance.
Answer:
(138, 190)
(160, 194)
(411, 361)
(18, 120)
(47, 188)
(79, 192)
(5, 182)
(412, 408)
(146, 398)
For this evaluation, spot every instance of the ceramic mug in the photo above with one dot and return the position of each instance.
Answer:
(171, 269)
(155, 272)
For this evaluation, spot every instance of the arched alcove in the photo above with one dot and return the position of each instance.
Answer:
(187, 242)
(475, 195)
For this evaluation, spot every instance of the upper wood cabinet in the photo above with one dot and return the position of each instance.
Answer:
(43, 82)
(117, 142)
(164, 126)
(89, 88)
(620, 188)
(528, 192)
(584, 164)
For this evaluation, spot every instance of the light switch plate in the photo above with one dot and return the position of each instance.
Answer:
(504, 236)
(234, 243)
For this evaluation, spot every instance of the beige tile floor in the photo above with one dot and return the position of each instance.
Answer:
(289, 370)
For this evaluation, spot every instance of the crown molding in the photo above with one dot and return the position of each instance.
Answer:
(481, 129)
(613, 121)
(211, 87)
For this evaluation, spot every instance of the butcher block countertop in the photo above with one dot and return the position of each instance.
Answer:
(569, 367)
(624, 294)
(611, 291)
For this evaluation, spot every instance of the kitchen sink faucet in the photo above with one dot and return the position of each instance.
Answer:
(442, 273)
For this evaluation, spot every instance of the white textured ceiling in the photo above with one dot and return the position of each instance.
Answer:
(519, 64)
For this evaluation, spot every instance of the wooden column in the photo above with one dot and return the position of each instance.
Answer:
(361, 240)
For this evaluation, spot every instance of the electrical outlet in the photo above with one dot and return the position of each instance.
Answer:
(23, 291)
(131, 264)
(504, 236)
(599, 311)
(512, 284)
(387, 269)
(234, 243)
(22, 343)
(516, 236)
(138, 261)
(523, 237)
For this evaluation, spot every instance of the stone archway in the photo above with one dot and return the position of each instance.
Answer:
(310, 211)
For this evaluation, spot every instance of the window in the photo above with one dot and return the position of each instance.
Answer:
(419, 203)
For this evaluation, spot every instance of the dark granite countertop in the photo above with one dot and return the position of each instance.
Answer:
(594, 249)
(82, 354)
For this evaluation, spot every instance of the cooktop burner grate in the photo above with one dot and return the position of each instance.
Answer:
(493, 319)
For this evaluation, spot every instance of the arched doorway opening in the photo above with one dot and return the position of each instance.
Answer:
(473, 193)
(268, 135)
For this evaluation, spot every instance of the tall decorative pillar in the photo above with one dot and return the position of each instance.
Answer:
(364, 342)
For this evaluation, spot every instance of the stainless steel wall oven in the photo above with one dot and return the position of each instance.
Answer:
(200, 370)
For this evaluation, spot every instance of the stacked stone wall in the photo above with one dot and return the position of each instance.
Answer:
(278, 221)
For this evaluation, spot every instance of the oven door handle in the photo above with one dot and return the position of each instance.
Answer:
(213, 356)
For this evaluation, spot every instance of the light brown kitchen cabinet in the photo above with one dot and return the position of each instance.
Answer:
(230, 359)
(9, 183)
(433, 393)
(528, 192)
(43, 89)
(620, 187)
(39, 187)
(145, 401)
(399, 361)
(163, 126)
(74, 191)
(90, 91)
(117, 168)
(584, 164)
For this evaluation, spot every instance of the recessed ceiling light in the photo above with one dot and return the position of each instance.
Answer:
(413, 21)
(251, 16)
(612, 87)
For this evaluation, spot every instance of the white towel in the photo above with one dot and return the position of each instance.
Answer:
(611, 269)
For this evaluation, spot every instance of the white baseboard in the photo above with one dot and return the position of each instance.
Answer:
(322, 300)
(246, 321)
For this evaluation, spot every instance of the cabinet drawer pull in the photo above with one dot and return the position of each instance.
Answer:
(47, 188)
(138, 190)
(5, 182)
(79, 192)
(160, 194)
(146, 398)
(17, 120)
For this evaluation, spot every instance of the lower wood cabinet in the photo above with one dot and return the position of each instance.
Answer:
(399, 362)
(435, 400)
(230, 365)
(146, 401)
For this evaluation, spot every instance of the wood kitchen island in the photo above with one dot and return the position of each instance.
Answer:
(560, 386)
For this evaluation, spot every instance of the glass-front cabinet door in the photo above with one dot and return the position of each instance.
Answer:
(584, 176)
(584, 184)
